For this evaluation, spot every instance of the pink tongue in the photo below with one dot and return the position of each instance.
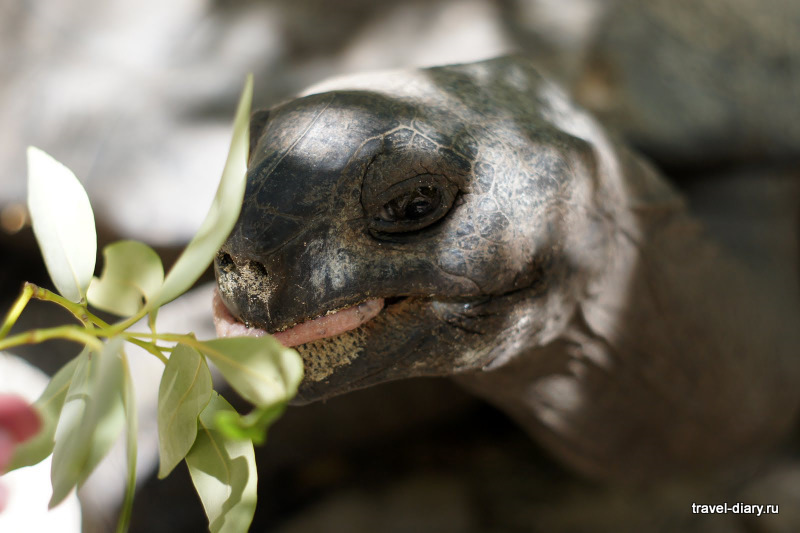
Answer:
(318, 328)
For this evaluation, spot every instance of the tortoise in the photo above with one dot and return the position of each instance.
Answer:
(472, 221)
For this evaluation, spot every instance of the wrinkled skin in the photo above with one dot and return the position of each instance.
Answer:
(519, 249)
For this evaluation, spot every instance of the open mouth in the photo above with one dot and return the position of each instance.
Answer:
(328, 325)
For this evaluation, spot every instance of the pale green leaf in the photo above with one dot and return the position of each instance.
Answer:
(223, 472)
(49, 407)
(63, 223)
(131, 431)
(183, 394)
(62, 470)
(261, 369)
(224, 209)
(91, 419)
(107, 417)
(253, 426)
(132, 273)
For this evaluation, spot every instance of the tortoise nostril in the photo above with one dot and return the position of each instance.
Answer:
(225, 261)
(258, 268)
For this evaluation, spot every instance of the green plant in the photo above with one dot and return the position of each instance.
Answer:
(91, 399)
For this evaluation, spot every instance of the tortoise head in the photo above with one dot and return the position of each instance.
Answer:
(438, 221)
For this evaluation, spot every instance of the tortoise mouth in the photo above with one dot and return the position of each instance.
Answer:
(332, 323)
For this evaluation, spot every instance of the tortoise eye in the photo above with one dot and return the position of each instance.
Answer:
(413, 204)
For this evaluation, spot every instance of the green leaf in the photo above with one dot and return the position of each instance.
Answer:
(131, 431)
(224, 209)
(223, 472)
(261, 369)
(49, 407)
(91, 419)
(253, 426)
(183, 394)
(63, 223)
(132, 273)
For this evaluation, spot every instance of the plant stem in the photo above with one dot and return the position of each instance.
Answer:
(169, 337)
(78, 311)
(149, 346)
(36, 336)
(151, 319)
(125, 324)
(16, 309)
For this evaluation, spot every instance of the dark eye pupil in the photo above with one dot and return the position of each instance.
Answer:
(413, 205)
(419, 207)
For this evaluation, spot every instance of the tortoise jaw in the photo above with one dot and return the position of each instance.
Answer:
(334, 322)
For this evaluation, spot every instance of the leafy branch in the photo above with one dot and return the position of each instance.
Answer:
(91, 400)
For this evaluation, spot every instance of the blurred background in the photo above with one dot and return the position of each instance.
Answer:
(137, 97)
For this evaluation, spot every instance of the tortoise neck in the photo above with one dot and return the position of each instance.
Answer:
(675, 360)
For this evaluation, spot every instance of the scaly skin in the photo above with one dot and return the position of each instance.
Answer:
(552, 271)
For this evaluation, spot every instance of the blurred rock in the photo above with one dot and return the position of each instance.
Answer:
(137, 98)
(690, 82)
(755, 213)
(697, 82)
